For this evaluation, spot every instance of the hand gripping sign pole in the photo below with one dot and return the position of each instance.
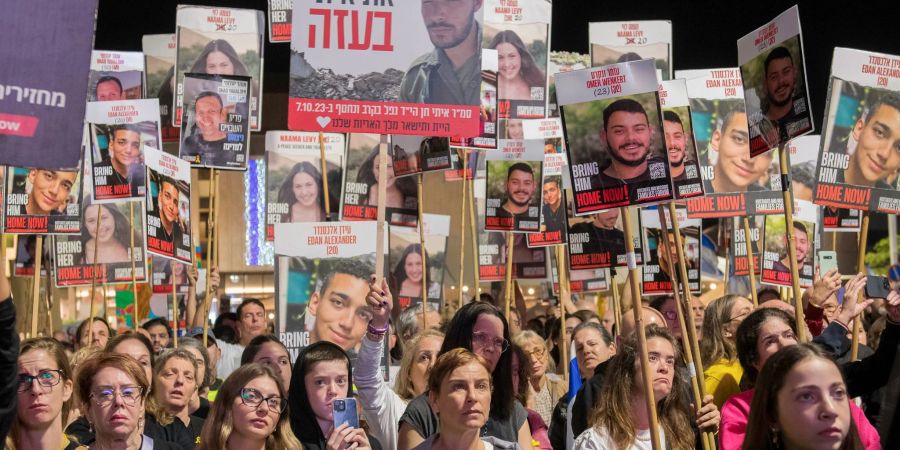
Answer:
(36, 285)
(509, 273)
(462, 228)
(750, 263)
(422, 254)
(680, 308)
(324, 165)
(634, 278)
(861, 267)
(562, 275)
(134, 315)
(788, 197)
(94, 281)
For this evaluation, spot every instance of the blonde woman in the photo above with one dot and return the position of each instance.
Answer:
(722, 369)
(547, 388)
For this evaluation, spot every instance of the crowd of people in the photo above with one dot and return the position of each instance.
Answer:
(476, 380)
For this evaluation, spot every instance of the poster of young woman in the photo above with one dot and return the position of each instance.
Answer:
(159, 60)
(168, 206)
(162, 270)
(360, 201)
(615, 42)
(220, 41)
(659, 270)
(42, 201)
(405, 261)
(294, 180)
(521, 40)
(119, 131)
(104, 246)
(214, 126)
(412, 154)
(115, 76)
(513, 177)
(776, 258)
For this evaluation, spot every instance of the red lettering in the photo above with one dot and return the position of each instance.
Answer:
(122, 189)
(15, 223)
(829, 192)
(856, 196)
(103, 190)
(340, 19)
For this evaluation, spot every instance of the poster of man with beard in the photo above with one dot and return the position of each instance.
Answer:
(679, 136)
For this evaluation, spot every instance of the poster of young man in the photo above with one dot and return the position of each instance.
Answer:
(621, 160)
(659, 270)
(280, 20)
(488, 122)
(162, 270)
(616, 42)
(405, 261)
(168, 205)
(104, 245)
(739, 245)
(860, 152)
(413, 154)
(679, 137)
(386, 67)
(26, 251)
(43, 106)
(159, 60)
(521, 39)
(294, 188)
(528, 263)
(513, 180)
(555, 174)
(220, 41)
(40, 201)
(115, 76)
(323, 271)
(776, 260)
(360, 201)
(581, 281)
(562, 62)
(119, 131)
(733, 183)
(597, 241)
(214, 129)
(774, 79)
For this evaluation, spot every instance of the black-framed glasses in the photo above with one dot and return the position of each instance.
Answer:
(253, 398)
(46, 378)
(105, 396)
(484, 340)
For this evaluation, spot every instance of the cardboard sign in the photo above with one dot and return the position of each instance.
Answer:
(681, 148)
(616, 42)
(215, 130)
(360, 198)
(659, 271)
(513, 194)
(405, 261)
(776, 265)
(160, 51)
(116, 76)
(168, 205)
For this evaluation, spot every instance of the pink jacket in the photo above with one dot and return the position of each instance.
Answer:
(736, 413)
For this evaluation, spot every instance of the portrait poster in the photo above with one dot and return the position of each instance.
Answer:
(562, 62)
(520, 33)
(455, 172)
(733, 183)
(614, 136)
(322, 276)
(776, 263)
(119, 131)
(554, 179)
(658, 268)
(488, 122)
(294, 181)
(102, 252)
(412, 154)
(858, 161)
(26, 251)
(738, 241)
(40, 201)
(617, 42)
(580, 281)
(513, 194)
(220, 41)
(360, 201)
(377, 68)
(162, 270)
(280, 20)
(598, 240)
(681, 149)
(42, 106)
(774, 79)
(405, 261)
(215, 130)
(159, 61)
(168, 206)
(527, 263)
(116, 75)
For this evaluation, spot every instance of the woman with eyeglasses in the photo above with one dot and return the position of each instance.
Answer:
(249, 413)
(45, 391)
(482, 329)
(113, 391)
(547, 389)
(722, 370)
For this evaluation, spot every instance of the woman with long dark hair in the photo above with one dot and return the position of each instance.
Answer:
(219, 58)
(518, 72)
(302, 192)
(113, 235)
(400, 192)
(406, 278)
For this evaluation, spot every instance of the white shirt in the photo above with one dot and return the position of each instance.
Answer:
(230, 359)
(382, 407)
(598, 439)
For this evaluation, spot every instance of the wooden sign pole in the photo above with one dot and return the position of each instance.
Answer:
(324, 165)
(462, 228)
(861, 268)
(750, 263)
(94, 281)
(788, 198)
(133, 265)
(423, 254)
(509, 273)
(382, 193)
(36, 285)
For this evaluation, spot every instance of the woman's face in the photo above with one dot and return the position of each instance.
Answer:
(201, 365)
(175, 384)
(413, 267)
(423, 360)
(139, 352)
(389, 170)
(306, 191)
(739, 311)
(537, 358)
(218, 63)
(256, 422)
(326, 381)
(274, 355)
(813, 406)
(487, 339)
(107, 223)
(661, 355)
(774, 335)
(40, 405)
(510, 62)
(122, 405)
(464, 401)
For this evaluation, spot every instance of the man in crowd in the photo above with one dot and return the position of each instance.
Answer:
(251, 323)
(159, 332)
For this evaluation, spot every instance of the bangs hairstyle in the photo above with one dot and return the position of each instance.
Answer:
(404, 386)
(220, 423)
(747, 341)
(84, 378)
(450, 361)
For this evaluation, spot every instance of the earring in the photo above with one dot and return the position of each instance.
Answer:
(776, 437)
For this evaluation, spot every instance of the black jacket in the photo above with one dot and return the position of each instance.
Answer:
(9, 354)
